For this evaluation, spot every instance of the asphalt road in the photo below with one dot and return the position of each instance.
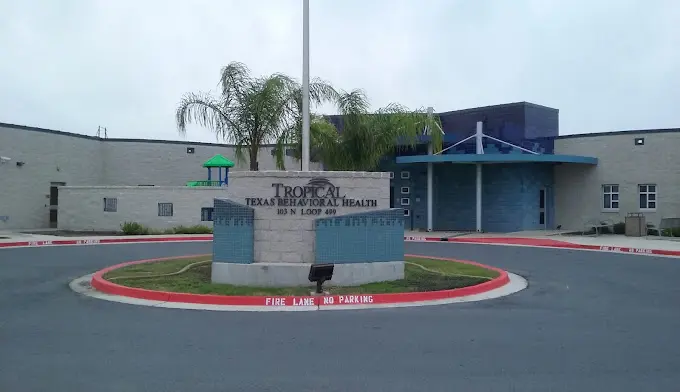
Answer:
(588, 322)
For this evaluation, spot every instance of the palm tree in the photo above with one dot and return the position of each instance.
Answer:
(364, 138)
(250, 111)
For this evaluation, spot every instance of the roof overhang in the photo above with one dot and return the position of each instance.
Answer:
(497, 158)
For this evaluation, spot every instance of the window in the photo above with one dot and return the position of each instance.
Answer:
(165, 209)
(639, 141)
(405, 175)
(391, 175)
(407, 212)
(110, 204)
(190, 150)
(610, 197)
(405, 190)
(647, 194)
(207, 214)
(405, 201)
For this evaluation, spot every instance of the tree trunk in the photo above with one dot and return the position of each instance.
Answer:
(254, 165)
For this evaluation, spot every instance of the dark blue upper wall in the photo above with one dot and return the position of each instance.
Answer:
(541, 121)
(498, 120)
(522, 123)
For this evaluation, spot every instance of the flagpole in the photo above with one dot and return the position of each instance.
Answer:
(305, 85)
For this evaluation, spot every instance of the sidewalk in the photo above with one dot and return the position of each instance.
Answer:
(616, 243)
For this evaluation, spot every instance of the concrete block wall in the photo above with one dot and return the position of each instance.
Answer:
(375, 236)
(291, 238)
(47, 157)
(578, 192)
(136, 162)
(77, 160)
(233, 230)
(82, 207)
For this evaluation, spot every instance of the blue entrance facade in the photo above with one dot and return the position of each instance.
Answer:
(495, 174)
(515, 197)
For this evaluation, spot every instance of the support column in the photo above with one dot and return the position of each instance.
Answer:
(478, 197)
(430, 181)
(479, 137)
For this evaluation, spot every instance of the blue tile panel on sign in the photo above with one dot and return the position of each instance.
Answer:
(510, 196)
(374, 236)
(233, 232)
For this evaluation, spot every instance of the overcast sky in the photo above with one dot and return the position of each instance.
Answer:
(73, 65)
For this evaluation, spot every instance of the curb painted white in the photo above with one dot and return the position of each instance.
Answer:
(82, 286)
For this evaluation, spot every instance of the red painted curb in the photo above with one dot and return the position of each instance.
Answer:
(105, 286)
(98, 241)
(536, 242)
(544, 243)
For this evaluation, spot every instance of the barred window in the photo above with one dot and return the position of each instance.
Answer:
(110, 204)
(165, 209)
(207, 214)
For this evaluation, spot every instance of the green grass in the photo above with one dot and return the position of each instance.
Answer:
(154, 268)
(448, 275)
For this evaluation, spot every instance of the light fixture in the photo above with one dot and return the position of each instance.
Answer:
(320, 273)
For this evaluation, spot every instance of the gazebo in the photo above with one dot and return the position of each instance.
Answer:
(219, 162)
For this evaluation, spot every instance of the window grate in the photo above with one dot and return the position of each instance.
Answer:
(165, 209)
(207, 214)
(110, 204)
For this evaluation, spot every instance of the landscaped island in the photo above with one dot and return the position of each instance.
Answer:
(192, 275)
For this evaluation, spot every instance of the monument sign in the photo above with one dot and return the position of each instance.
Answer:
(286, 205)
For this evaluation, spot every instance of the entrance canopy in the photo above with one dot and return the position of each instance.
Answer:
(515, 154)
(489, 154)
(497, 158)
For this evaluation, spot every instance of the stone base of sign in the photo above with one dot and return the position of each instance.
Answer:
(296, 274)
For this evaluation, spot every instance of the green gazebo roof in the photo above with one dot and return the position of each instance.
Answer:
(218, 161)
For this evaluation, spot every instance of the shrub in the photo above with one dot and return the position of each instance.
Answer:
(674, 232)
(134, 228)
(196, 229)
